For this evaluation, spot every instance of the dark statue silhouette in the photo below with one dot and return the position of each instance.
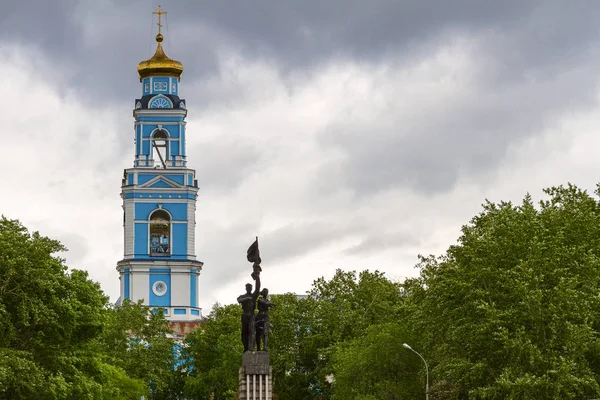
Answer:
(262, 321)
(255, 329)
(248, 302)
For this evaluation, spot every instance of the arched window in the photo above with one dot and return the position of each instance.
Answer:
(159, 146)
(160, 233)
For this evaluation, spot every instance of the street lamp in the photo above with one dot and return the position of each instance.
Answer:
(426, 369)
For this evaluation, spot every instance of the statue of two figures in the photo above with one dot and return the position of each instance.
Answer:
(255, 328)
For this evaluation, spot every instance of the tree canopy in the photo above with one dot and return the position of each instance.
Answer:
(61, 339)
(511, 311)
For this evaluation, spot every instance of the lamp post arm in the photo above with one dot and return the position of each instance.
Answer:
(426, 372)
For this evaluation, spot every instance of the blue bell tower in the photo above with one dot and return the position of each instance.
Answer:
(159, 197)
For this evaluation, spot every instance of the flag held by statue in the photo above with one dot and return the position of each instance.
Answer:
(253, 254)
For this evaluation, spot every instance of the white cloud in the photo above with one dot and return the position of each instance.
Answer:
(62, 166)
(63, 160)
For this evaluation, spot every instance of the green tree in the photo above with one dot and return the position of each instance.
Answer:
(50, 323)
(214, 352)
(305, 333)
(292, 354)
(512, 310)
(375, 365)
(137, 340)
(344, 308)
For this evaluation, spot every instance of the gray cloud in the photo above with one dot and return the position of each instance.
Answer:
(297, 239)
(224, 163)
(223, 251)
(379, 242)
(47, 24)
(470, 134)
(103, 42)
(404, 157)
(76, 244)
(300, 32)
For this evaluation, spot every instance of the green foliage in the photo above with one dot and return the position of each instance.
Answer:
(375, 364)
(116, 384)
(292, 353)
(305, 334)
(59, 339)
(49, 319)
(343, 308)
(511, 311)
(20, 377)
(136, 340)
(215, 351)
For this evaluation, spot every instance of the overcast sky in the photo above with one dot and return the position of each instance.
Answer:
(346, 134)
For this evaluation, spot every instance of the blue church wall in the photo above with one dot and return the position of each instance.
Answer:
(143, 138)
(173, 119)
(160, 184)
(147, 131)
(193, 288)
(138, 138)
(141, 239)
(182, 138)
(148, 185)
(172, 129)
(146, 85)
(164, 276)
(143, 178)
(178, 211)
(149, 86)
(160, 85)
(145, 147)
(179, 178)
(180, 239)
(126, 284)
(142, 257)
(164, 196)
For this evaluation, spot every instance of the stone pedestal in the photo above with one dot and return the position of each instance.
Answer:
(255, 377)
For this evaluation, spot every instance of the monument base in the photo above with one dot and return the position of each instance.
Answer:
(255, 376)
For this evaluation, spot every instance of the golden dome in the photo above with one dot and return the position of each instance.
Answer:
(159, 64)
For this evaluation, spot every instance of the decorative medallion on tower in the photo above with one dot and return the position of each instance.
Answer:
(159, 198)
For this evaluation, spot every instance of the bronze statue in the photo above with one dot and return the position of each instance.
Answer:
(248, 302)
(255, 329)
(248, 299)
(262, 320)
